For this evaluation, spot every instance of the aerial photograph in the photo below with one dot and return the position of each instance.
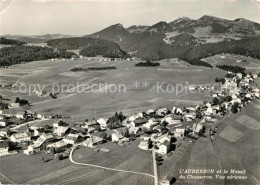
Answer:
(130, 92)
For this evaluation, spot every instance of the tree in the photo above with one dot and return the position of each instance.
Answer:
(17, 100)
(228, 98)
(234, 108)
(215, 101)
(53, 150)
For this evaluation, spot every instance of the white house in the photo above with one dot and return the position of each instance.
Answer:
(4, 148)
(92, 141)
(3, 123)
(71, 139)
(144, 145)
(20, 114)
(163, 147)
(103, 123)
(20, 137)
(180, 132)
(115, 137)
(61, 131)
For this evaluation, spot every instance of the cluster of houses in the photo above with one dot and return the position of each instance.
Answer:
(158, 129)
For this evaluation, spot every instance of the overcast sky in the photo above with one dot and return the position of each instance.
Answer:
(80, 17)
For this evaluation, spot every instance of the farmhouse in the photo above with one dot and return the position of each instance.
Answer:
(4, 148)
(14, 105)
(39, 144)
(58, 146)
(163, 148)
(116, 137)
(180, 132)
(144, 145)
(3, 123)
(20, 114)
(91, 125)
(61, 131)
(197, 128)
(71, 139)
(135, 130)
(103, 123)
(161, 111)
(93, 141)
(166, 180)
(4, 132)
(20, 137)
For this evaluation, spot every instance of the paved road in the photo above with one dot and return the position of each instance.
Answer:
(106, 168)
(155, 169)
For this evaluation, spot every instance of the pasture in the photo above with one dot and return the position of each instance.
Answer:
(91, 94)
(251, 64)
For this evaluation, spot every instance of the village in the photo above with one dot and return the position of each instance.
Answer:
(161, 130)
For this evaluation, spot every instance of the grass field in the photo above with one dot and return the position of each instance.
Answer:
(89, 104)
(252, 65)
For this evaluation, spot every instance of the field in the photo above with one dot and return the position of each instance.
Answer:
(129, 157)
(236, 136)
(232, 152)
(127, 97)
(251, 64)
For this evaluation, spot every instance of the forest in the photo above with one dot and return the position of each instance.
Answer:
(21, 54)
(4, 40)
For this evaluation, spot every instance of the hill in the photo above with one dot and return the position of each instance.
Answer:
(36, 38)
(88, 46)
(4, 40)
(184, 37)
(116, 33)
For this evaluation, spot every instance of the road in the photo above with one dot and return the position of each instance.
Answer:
(106, 168)
(155, 169)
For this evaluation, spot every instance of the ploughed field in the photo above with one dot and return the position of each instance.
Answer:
(128, 88)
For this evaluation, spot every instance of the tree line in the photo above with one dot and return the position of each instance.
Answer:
(19, 54)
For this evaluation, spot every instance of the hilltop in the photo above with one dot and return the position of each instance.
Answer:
(88, 46)
(4, 40)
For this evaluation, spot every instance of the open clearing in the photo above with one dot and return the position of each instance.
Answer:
(156, 87)
(231, 134)
(251, 64)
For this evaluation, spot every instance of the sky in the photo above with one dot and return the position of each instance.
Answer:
(81, 17)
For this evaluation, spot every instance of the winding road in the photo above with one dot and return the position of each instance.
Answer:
(106, 168)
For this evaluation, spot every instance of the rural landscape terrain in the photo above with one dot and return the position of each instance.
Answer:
(171, 103)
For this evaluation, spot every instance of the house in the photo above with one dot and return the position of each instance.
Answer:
(3, 123)
(150, 112)
(180, 132)
(38, 131)
(15, 105)
(145, 137)
(4, 147)
(61, 131)
(197, 128)
(58, 124)
(4, 132)
(134, 130)
(20, 137)
(93, 141)
(58, 146)
(163, 148)
(139, 122)
(166, 180)
(103, 123)
(71, 139)
(20, 114)
(163, 138)
(39, 144)
(91, 125)
(116, 137)
(144, 145)
(161, 111)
